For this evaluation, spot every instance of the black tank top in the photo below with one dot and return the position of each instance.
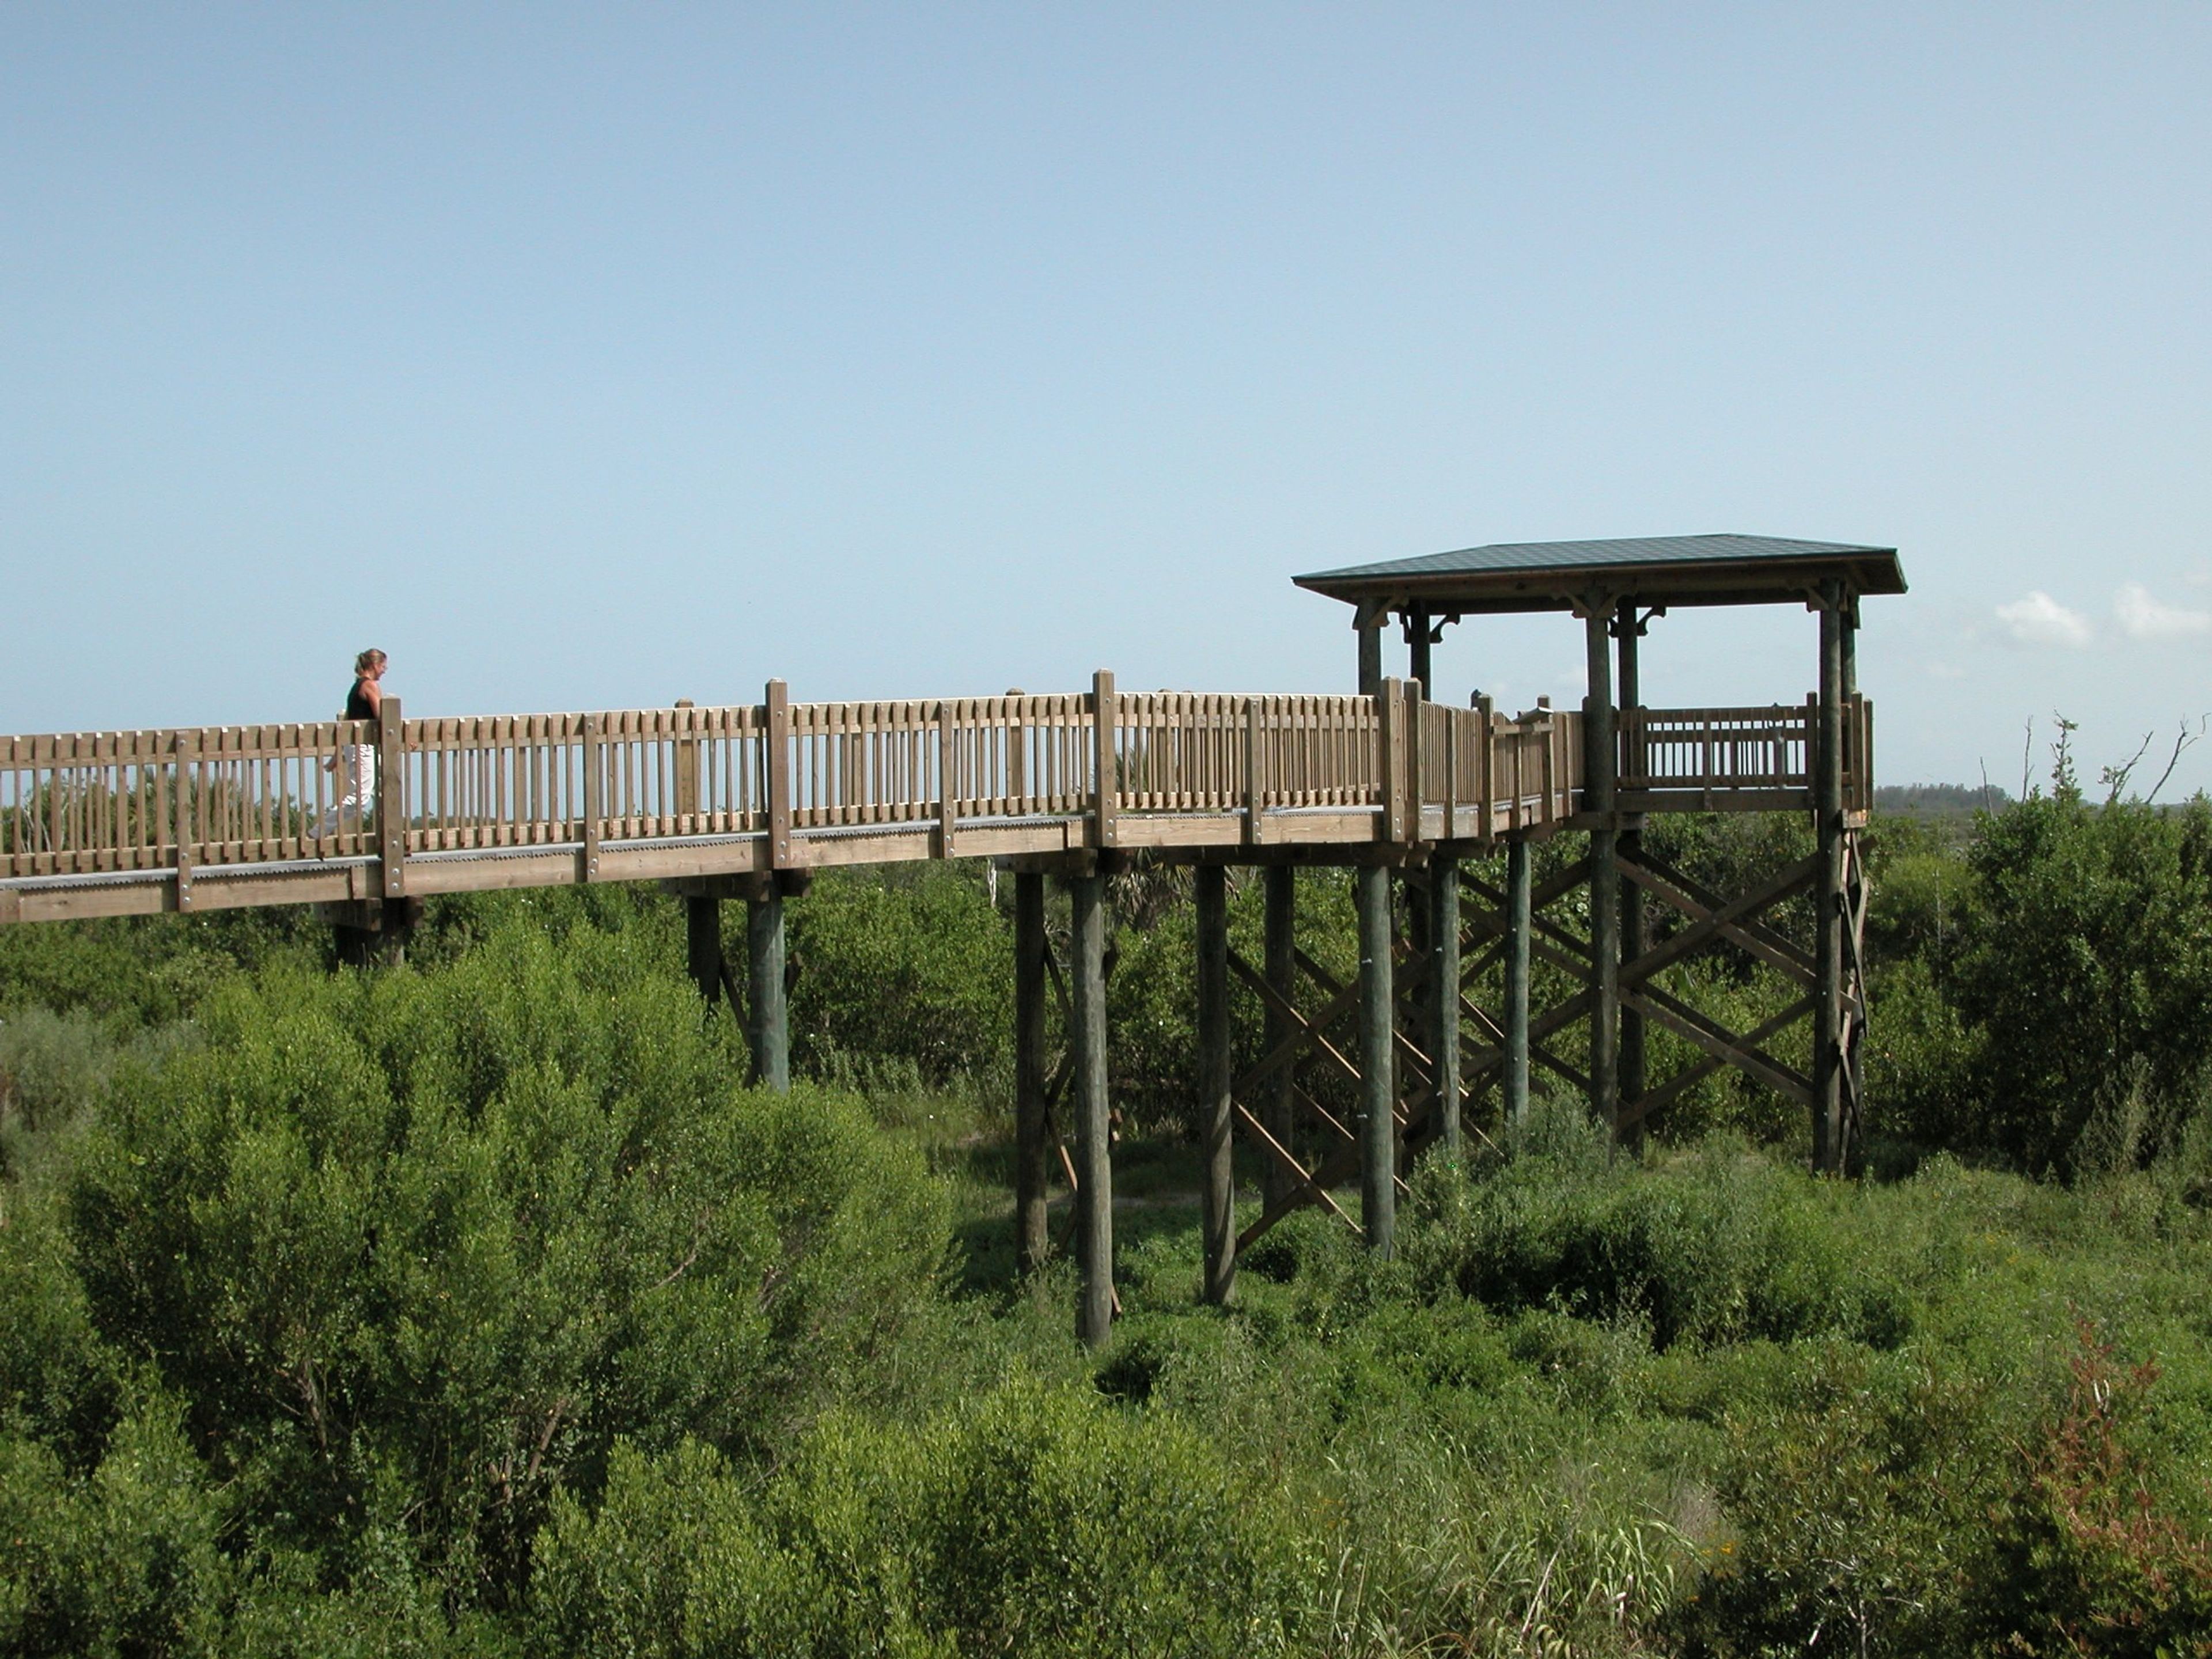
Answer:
(358, 707)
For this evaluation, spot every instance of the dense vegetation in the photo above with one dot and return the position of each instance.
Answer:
(473, 1308)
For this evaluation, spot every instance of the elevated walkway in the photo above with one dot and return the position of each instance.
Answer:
(138, 823)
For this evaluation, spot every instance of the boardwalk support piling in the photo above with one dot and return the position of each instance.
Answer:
(372, 932)
(702, 945)
(1276, 1108)
(1032, 1132)
(1631, 1069)
(1517, 924)
(1828, 945)
(1425, 1006)
(1378, 1116)
(768, 1016)
(1442, 1004)
(1093, 1196)
(1218, 1169)
(1601, 757)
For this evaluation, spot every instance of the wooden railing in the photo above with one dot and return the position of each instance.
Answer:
(1686, 754)
(538, 780)
(232, 794)
(858, 764)
(1513, 774)
(1101, 769)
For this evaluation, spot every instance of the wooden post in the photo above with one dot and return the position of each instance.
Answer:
(392, 796)
(1093, 1196)
(777, 773)
(1105, 758)
(1368, 620)
(948, 775)
(1485, 765)
(1425, 1006)
(1390, 748)
(1417, 629)
(686, 752)
(703, 942)
(594, 799)
(1215, 1108)
(1631, 1072)
(1852, 901)
(1518, 923)
(767, 1023)
(1828, 939)
(1276, 1112)
(1032, 1132)
(1442, 1003)
(1378, 1116)
(1601, 758)
(185, 806)
(1018, 758)
(1256, 774)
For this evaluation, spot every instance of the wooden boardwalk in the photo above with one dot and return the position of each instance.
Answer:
(368, 818)
(135, 823)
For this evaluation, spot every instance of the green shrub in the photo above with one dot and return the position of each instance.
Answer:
(150, 970)
(60, 1383)
(120, 1560)
(1856, 1487)
(54, 1068)
(461, 1231)
(1921, 1065)
(1151, 1029)
(912, 965)
(1032, 1520)
(1719, 1249)
(2087, 950)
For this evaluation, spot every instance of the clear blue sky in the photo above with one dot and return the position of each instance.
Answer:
(599, 356)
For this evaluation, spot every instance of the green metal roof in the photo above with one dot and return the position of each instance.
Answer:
(1717, 569)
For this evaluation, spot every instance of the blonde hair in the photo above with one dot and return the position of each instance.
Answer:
(367, 660)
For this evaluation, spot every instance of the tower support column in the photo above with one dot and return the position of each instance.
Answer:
(1216, 1147)
(1032, 1132)
(1828, 1150)
(1441, 1006)
(1632, 1070)
(1517, 924)
(1599, 761)
(768, 1013)
(1277, 1110)
(1378, 1115)
(1424, 1006)
(702, 945)
(1094, 1157)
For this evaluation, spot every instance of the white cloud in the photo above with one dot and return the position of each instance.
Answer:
(2142, 617)
(1946, 671)
(2036, 618)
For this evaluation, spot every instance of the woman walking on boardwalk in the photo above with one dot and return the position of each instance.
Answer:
(357, 767)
